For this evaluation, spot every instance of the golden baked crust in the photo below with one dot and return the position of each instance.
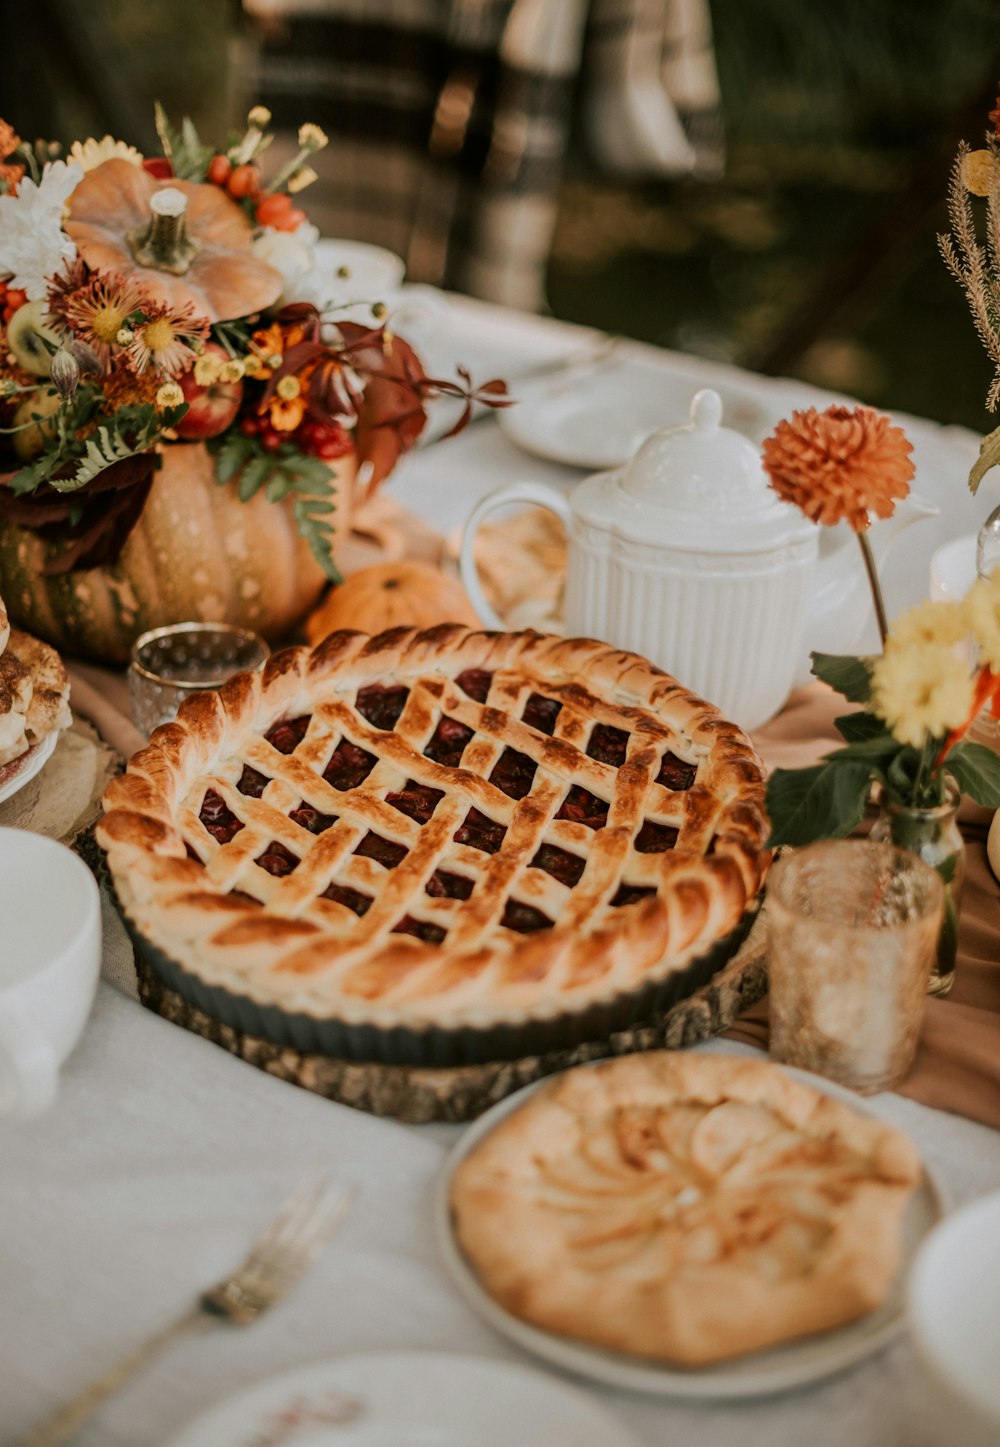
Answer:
(686, 1207)
(34, 692)
(584, 879)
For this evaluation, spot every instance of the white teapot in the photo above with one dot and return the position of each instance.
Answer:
(687, 556)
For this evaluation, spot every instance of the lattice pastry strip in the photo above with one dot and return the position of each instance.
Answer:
(450, 821)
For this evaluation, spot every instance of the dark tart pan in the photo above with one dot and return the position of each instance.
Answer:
(431, 1046)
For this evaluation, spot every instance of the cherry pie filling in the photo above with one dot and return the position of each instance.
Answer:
(349, 765)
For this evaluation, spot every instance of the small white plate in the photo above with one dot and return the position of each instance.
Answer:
(408, 1399)
(32, 763)
(597, 418)
(760, 1374)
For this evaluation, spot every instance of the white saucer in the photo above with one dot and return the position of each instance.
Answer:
(597, 418)
(408, 1399)
(760, 1374)
(34, 761)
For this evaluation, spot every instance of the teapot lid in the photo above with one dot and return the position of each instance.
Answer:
(703, 485)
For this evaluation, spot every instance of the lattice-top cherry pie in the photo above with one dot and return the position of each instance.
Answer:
(446, 828)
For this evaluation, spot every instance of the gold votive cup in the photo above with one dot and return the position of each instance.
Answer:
(852, 937)
(168, 664)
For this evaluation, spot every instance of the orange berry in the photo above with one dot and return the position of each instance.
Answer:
(219, 170)
(243, 181)
(290, 221)
(271, 208)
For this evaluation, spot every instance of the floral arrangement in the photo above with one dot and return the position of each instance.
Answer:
(148, 301)
(975, 264)
(920, 695)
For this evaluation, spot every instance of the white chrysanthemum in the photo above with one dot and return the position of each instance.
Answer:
(291, 253)
(922, 691)
(33, 244)
(90, 153)
(982, 613)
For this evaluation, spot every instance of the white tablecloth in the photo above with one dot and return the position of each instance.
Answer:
(163, 1155)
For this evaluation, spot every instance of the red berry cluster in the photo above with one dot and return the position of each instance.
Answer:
(319, 439)
(11, 298)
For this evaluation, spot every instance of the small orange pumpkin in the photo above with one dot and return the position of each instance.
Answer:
(392, 595)
(223, 280)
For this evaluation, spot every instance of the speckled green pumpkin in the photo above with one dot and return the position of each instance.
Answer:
(197, 553)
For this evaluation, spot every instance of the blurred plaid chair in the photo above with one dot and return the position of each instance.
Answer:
(452, 122)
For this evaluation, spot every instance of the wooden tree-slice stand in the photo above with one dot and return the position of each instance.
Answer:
(417, 1095)
(64, 799)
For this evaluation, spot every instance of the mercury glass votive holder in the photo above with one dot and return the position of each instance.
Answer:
(852, 937)
(168, 664)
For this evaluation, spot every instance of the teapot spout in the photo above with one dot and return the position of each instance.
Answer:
(840, 605)
(884, 533)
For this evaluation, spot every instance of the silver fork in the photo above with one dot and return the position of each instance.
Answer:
(274, 1264)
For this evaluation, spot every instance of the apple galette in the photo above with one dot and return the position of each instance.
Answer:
(448, 828)
(687, 1207)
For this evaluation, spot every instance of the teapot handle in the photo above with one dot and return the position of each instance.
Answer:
(531, 492)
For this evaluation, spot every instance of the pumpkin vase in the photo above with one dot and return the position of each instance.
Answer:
(197, 553)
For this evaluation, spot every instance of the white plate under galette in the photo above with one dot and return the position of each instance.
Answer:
(606, 1208)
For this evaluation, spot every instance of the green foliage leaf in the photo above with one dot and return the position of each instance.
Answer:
(989, 457)
(857, 727)
(824, 802)
(878, 751)
(902, 774)
(183, 148)
(103, 449)
(976, 771)
(313, 524)
(282, 474)
(845, 673)
(29, 477)
(230, 455)
(253, 476)
(169, 138)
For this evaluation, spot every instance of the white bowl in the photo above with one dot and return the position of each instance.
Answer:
(953, 569)
(954, 1311)
(363, 273)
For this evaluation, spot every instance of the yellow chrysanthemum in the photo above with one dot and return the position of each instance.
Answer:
(312, 137)
(169, 395)
(288, 387)
(232, 370)
(207, 369)
(90, 153)
(930, 623)
(981, 609)
(922, 691)
(979, 168)
(300, 179)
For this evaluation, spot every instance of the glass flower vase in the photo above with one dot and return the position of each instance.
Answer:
(986, 728)
(934, 835)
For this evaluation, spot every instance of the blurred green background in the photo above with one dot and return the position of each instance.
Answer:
(813, 256)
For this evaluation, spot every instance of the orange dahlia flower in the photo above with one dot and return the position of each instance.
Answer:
(844, 463)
